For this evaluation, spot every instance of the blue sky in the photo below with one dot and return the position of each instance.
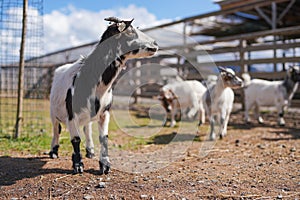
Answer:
(160, 8)
(71, 23)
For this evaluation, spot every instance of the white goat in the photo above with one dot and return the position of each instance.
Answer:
(183, 95)
(82, 91)
(260, 92)
(218, 100)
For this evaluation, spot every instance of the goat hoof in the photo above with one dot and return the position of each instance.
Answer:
(281, 122)
(77, 163)
(53, 155)
(54, 152)
(260, 120)
(212, 137)
(104, 168)
(78, 168)
(89, 153)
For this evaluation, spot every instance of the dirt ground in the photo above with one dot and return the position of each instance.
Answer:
(251, 162)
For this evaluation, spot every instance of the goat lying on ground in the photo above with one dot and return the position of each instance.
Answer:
(218, 100)
(260, 92)
(81, 91)
(182, 95)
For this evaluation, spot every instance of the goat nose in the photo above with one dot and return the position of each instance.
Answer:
(155, 43)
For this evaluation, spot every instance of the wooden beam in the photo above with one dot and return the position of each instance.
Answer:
(284, 12)
(263, 15)
(272, 60)
(254, 61)
(250, 6)
(262, 47)
(281, 31)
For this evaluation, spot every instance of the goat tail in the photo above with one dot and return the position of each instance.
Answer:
(246, 78)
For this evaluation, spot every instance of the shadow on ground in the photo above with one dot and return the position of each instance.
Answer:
(174, 137)
(13, 169)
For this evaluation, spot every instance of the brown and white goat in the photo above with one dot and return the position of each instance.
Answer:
(180, 96)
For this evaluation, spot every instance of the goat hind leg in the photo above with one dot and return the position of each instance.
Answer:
(55, 139)
(87, 129)
(223, 125)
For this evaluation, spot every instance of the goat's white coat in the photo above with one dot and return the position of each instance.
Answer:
(218, 101)
(188, 95)
(260, 92)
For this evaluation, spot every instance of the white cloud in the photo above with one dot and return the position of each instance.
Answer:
(10, 34)
(72, 26)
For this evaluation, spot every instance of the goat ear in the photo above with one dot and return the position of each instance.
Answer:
(222, 69)
(174, 95)
(128, 23)
(121, 26)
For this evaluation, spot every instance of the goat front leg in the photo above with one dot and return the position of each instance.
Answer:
(212, 128)
(173, 114)
(281, 121)
(87, 129)
(223, 125)
(201, 115)
(257, 114)
(75, 140)
(103, 137)
(248, 107)
(168, 116)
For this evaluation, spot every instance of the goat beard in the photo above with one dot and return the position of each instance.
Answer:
(124, 67)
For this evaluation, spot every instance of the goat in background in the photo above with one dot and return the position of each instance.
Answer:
(260, 92)
(218, 100)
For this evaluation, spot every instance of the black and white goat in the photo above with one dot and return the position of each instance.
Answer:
(260, 92)
(218, 100)
(81, 92)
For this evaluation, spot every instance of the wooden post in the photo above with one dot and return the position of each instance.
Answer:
(19, 117)
(243, 66)
(274, 26)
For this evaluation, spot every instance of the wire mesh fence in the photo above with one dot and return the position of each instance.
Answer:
(35, 104)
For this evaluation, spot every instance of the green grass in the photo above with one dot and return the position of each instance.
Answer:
(127, 130)
(36, 118)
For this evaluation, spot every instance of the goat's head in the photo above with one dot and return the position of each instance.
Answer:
(230, 79)
(129, 41)
(167, 98)
(294, 73)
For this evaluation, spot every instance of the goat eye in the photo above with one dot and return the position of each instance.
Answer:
(130, 31)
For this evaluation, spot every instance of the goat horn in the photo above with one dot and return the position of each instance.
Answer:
(113, 19)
